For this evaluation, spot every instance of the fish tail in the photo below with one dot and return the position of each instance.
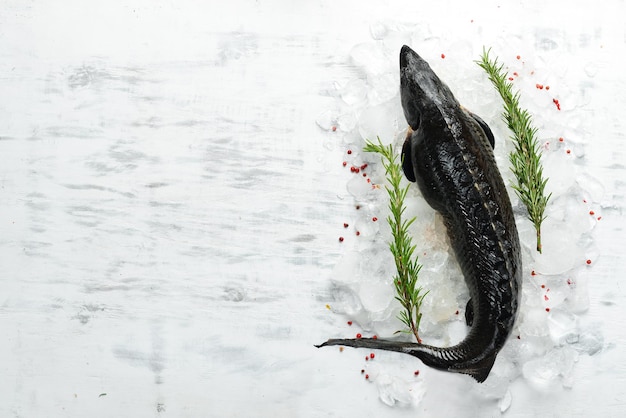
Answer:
(460, 358)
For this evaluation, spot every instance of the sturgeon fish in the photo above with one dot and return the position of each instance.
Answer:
(449, 153)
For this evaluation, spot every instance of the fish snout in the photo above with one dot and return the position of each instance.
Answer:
(408, 91)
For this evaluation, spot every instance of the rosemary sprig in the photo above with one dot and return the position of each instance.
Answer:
(408, 293)
(525, 160)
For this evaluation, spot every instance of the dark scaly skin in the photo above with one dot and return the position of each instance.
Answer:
(449, 154)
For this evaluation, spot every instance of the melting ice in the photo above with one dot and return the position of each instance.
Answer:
(548, 338)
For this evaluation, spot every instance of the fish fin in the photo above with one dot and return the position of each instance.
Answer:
(480, 371)
(407, 161)
(485, 128)
(374, 343)
(469, 313)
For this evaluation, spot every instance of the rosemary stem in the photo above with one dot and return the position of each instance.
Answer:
(538, 238)
(408, 293)
(525, 159)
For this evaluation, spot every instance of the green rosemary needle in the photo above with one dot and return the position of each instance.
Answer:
(408, 293)
(525, 159)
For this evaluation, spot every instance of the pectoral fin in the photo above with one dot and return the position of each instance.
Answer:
(469, 313)
(407, 161)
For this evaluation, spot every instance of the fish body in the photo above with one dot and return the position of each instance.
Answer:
(449, 154)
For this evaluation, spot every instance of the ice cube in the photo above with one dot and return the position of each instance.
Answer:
(457, 331)
(346, 269)
(560, 251)
(376, 297)
(590, 341)
(563, 326)
(532, 323)
(435, 260)
(379, 122)
(346, 121)
(495, 387)
(505, 402)
(345, 301)
(558, 171)
(354, 93)
(326, 120)
(359, 187)
(545, 371)
(392, 390)
(366, 227)
(372, 58)
(576, 213)
(577, 300)
(384, 88)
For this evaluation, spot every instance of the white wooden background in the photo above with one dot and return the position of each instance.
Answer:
(169, 212)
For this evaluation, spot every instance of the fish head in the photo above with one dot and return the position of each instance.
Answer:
(424, 96)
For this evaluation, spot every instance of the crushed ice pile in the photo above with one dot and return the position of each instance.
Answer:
(549, 335)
